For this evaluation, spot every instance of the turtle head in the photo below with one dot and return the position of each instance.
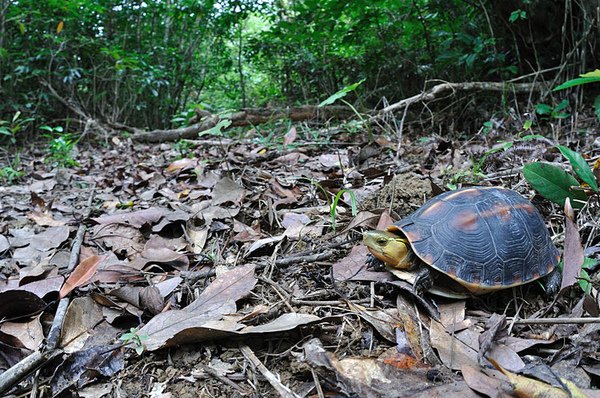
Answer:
(393, 249)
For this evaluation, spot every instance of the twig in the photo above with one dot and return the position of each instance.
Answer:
(25, 366)
(59, 317)
(437, 90)
(29, 364)
(283, 390)
(223, 379)
(194, 276)
(554, 321)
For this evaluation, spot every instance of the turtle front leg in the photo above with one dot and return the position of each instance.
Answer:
(374, 263)
(423, 279)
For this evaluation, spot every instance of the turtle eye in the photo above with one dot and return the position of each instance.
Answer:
(382, 241)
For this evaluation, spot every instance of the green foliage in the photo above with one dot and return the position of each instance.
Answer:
(585, 282)
(334, 204)
(516, 15)
(12, 172)
(60, 146)
(580, 166)
(548, 112)
(556, 185)
(590, 77)
(184, 148)
(341, 94)
(134, 339)
(10, 129)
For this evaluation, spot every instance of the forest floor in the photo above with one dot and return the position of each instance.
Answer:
(218, 267)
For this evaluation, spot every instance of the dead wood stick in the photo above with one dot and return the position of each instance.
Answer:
(59, 317)
(24, 367)
(554, 321)
(437, 90)
(29, 364)
(282, 389)
(244, 117)
(194, 276)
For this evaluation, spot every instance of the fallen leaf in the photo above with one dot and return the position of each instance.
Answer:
(215, 301)
(454, 353)
(227, 190)
(354, 267)
(289, 137)
(83, 314)
(82, 274)
(573, 253)
(84, 367)
(50, 238)
(30, 333)
(4, 245)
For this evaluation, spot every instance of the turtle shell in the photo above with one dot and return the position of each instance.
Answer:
(484, 238)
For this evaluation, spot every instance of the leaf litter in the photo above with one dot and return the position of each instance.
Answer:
(229, 257)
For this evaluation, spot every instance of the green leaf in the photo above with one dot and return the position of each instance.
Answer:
(589, 263)
(597, 107)
(340, 94)
(595, 73)
(530, 137)
(580, 166)
(584, 281)
(554, 184)
(527, 124)
(563, 105)
(216, 130)
(543, 109)
(577, 82)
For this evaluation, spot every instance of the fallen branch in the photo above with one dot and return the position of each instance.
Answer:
(438, 90)
(245, 117)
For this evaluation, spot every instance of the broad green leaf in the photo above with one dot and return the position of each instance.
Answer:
(589, 263)
(563, 105)
(577, 82)
(597, 107)
(216, 130)
(530, 137)
(595, 73)
(580, 166)
(543, 109)
(554, 183)
(340, 94)
(584, 281)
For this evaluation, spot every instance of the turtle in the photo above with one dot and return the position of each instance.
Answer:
(483, 238)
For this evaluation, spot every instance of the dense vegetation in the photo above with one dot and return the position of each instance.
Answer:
(147, 63)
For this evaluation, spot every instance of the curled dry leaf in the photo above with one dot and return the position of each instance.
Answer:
(82, 274)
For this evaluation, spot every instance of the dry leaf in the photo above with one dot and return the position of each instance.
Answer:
(82, 274)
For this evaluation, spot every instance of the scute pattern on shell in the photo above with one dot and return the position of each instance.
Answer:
(491, 237)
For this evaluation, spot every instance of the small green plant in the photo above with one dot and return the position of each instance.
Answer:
(340, 96)
(546, 111)
(134, 339)
(516, 15)
(584, 277)
(60, 147)
(12, 172)
(590, 77)
(184, 148)
(334, 203)
(555, 184)
(10, 129)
